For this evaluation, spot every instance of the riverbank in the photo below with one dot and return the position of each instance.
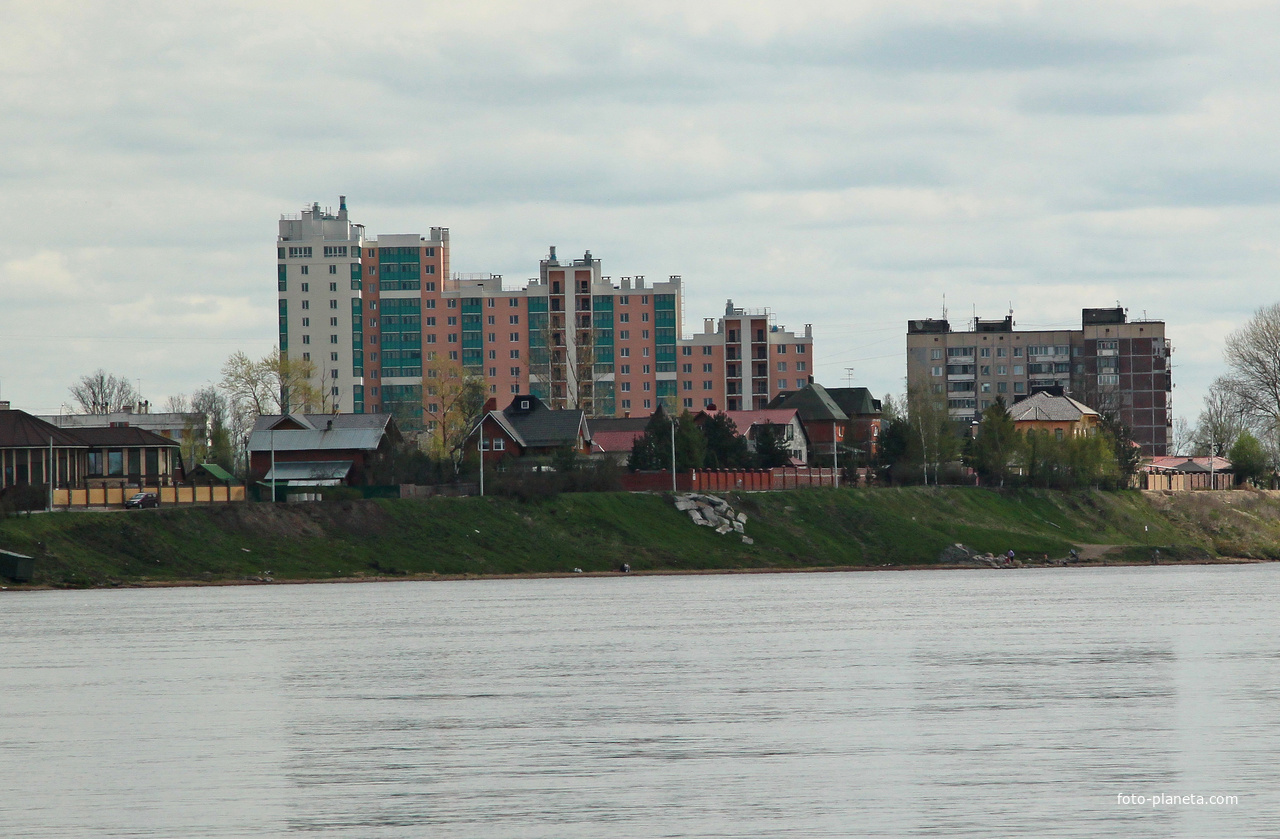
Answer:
(466, 538)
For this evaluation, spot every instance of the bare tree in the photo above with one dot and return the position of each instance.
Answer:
(931, 425)
(452, 400)
(178, 404)
(1225, 415)
(102, 393)
(1253, 355)
(1180, 437)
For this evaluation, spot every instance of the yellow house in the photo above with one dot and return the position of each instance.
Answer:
(1060, 416)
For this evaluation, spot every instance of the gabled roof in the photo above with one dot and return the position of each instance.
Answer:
(322, 432)
(812, 402)
(613, 441)
(1182, 463)
(855, 401)
(20, 430)
(539, 426)
(125, 436)
(216, 471)
(1045, 407)
(744, 420)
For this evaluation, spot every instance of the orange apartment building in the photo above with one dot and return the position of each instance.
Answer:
(377, 315)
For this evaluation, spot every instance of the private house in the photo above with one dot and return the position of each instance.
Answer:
(785, 422)
(613, 437)
(191, 429)
(1060, 416)
(84, 457)
(528, 428)
(1186, 473)
(862, 433)
(824, 421)
(318, 449)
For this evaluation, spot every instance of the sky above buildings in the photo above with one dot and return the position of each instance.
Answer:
(846, 164)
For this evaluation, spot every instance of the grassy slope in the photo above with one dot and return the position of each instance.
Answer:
(589, 531)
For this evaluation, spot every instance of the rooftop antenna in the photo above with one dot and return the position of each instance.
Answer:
(944, 305)
(848, 376)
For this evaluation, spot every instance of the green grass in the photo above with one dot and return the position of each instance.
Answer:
(592, 531)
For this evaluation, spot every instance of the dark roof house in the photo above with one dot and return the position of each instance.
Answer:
(312, 449)
(528, 427)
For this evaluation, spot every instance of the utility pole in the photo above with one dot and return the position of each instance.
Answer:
(673, 455)
(835, 454)
(273, 466)
(480, 448)
(50, 473)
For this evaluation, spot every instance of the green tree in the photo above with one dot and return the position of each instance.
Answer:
(771, 450)
(725, 447)
(1128, 456)
(1248, 459)
(652, 450)
(995, 445)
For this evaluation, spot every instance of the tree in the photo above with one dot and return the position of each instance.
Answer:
(1128, 456)
(1253, 355)
(1248, 460)
(725, 447)
(1180, 437)
(274, 384)
(453, 399)
(102, 393)
(995, 445)
(931, 429)
(1224, 417)
(771, 451)
(651, 451)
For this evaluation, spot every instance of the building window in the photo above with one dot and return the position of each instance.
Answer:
(686, 368)
(624, 334)
(686, 350)
(800, 383)
(1001, 352)
(306, 356)
(782, 349)
(707, 385)
(333, 269)
(625, 387)
(333, 339)
(1002, 369)
(801, 366)
(1002, 387)
(686, 385)
(1017, 352)
(333, 304)
(515, 372)
(306, 304)
(306, 321)
(515, 353)
(648, 403)
(935, 371)
(708, 402)
(624, 352)
(935, 354)
(626, 404)
(644, 334)
(306, 269)
(706, 350)
(1019, 387)
(645, 369)
(306, 339)
(644, 351)
(782, 366)
(985, 352)
(625, 369)
(648, 386)
(688, 403)
(1017, 369)
(782, 384)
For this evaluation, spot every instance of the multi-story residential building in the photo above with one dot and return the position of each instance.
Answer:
(572, 336)
(1110, 363)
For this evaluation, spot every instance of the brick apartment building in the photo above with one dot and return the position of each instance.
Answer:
(372, 313)
(1109, 363)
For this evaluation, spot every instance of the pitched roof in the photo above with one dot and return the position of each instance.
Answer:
(20, 430)
(614, 441)
(539, 426)
(1045, 407)
(123, 436)
(331, 470)
(744, 420)
(812, 402)
(319, 421)
(217, 471)
(1182, 463)
(321, 432)
(855, 401)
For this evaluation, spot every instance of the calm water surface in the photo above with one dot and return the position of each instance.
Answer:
(977, 703)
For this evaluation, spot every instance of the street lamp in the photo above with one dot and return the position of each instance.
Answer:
(673, 455)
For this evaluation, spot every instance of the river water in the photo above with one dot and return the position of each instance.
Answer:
(969, 703)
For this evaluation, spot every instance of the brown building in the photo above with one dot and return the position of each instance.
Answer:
(1111, 363)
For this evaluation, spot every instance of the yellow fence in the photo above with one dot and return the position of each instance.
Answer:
(116, 496)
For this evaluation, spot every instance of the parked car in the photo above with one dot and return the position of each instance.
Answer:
(143, 499)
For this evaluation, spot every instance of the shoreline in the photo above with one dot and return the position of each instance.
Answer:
(666, 572)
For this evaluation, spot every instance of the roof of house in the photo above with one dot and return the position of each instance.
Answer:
(1045, 407)
(20, 430)
(855, 401)
(321, 432)
(217, 471)
(124, 436)
(614, 441)
(529, 422)
(1176, 463)
(813, 402)
(744, 420)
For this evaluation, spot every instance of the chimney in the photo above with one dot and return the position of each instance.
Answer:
(708, 325)
(553, 253)
(328, 426)
(4, 405)
(342, 202)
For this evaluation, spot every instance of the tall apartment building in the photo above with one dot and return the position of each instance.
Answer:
(1110, 363)
(373, 313)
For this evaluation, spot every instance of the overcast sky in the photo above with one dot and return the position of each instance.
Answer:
(845, 164)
